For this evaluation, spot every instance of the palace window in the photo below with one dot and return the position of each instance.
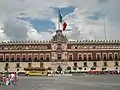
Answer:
(115, 56)
(75, 47)
(29, 65)
(104, 56)
(98, 57)
(59, 46)
(110, 56)
(17, 65)
(70, 57)
(80, 57)
(12, 59)
(89, 57)
(94, 64)
(75, 64)
(30, 58)
(1, 57)
(47, 57)
(23, 57)
(85, 57)
(7, 58)
(18, 58)
(85, 64)
(116, 64)
(105, 64)
(41, 57)
(35, 57)
(59, 56)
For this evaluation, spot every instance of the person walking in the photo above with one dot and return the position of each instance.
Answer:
(12, 79)
(15, 78)
(7, 81)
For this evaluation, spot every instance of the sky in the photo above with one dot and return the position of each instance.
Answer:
(38, 19)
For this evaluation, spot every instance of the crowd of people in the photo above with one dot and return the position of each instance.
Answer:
(8, 78)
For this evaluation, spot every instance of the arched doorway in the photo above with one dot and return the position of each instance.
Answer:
(59, 69)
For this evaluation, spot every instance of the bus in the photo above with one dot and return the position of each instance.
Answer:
(36, 71)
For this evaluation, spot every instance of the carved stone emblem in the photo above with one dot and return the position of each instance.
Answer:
(59, 37)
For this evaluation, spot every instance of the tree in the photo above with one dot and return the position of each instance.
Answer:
(74, 68)
(68, 68)
(49, 68)
(59, 68)
(80, 68)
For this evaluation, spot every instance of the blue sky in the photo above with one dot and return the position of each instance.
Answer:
(44, 25)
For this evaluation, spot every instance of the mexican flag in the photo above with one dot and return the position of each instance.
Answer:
(64, 24)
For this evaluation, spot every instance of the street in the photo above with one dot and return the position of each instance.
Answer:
(89, 82)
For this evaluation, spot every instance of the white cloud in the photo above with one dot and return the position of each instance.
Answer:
(82, 28)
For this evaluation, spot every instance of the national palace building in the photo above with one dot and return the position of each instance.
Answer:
(84, 54)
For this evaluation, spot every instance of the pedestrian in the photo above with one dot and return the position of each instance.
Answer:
(12, 79)
(1, 81)
(15, 78)
(7, 81)
(4, 80)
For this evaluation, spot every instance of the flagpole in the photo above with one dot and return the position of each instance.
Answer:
(58, 25)
(58, 19)
(105, 29)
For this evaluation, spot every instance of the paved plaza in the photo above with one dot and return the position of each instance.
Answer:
(98, 82)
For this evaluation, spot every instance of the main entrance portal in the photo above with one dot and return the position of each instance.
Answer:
(59, 56)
